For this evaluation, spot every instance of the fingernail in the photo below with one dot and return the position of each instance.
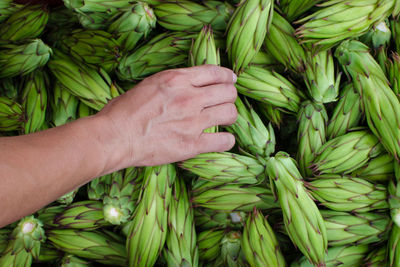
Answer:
(234, 78)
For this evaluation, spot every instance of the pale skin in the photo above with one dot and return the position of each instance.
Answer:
(159, 121)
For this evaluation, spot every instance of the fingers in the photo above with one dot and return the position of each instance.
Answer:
(210, 74)
(224, 114)
(217, 94)
(215, 142)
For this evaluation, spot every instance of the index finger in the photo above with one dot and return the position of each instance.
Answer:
(210, 74)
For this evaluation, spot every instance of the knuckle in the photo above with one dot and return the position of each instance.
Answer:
(184, 103)
(187, 130)
(185, 137)
(215, 71)
(171, 78)
(207, 116)
(188, 135)
(191, 147)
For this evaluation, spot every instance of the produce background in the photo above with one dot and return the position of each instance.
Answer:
(312, 180)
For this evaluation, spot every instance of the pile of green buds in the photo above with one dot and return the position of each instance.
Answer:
(314, 178)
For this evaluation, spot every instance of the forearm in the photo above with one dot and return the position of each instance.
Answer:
(161, 120)
(38, 168)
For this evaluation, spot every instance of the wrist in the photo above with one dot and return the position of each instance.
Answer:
(109, 143)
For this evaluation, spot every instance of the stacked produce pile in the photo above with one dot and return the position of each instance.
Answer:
(313, 179)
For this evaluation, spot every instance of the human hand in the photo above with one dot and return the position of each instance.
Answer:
(163, 118)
